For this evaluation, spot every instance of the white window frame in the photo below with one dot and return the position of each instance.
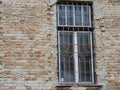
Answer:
(76, 56)
(74, 15)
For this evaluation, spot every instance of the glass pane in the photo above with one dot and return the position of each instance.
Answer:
(61, 15)
(88, 69)
(82, 66)
(88, 77)
(82, 77)
(78, 15)
(70, 9)
(84, 47)
(86, 9)
(66, 56)
(84, 41)
(86, 16)
(83, 37)
(88, 66)
(66, 38)
(86, 20)
(84, 55)
(70, 15)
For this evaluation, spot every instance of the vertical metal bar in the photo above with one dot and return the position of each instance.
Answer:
(73, 47)
(85, 69)
(59, 56)
(90, 70)
(64, 70)
(69, 53)
(89, 61)
(92, 16)
(63, 13)
(76, 57)
(92, 57)
(68, 48)
(84, 57)
(92, 67)
(80, 71)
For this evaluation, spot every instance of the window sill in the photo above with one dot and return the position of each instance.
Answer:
(79, 85)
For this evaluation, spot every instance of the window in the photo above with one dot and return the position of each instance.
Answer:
(74, 15)
(75, 43)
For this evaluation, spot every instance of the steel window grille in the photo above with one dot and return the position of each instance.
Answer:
(74, 15)
(75, 44)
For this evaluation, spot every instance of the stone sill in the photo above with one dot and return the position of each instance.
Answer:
(79, 85)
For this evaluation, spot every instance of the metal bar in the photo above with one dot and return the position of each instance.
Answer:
(59, 56)
(90, 70)
(92, 57)
(64, 62)
(76, 57)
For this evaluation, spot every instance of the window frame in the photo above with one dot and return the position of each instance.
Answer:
(76, 56)
(66, 27)
(82, 15)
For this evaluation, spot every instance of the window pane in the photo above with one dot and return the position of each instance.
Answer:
(88, 75)
(82, 66)
(82, 77)
(78, 16)
(67, 68)
(66, 56)
(88, 70)
(84, 55)
(83, 37)
(70, 15)
(86, 20)
(87, 66)
(66, 38)
(61, 15)
(86, 16)
(84, 47)
(86, 9)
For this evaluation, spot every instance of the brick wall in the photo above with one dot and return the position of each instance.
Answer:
(28, 45)
(107, 45)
